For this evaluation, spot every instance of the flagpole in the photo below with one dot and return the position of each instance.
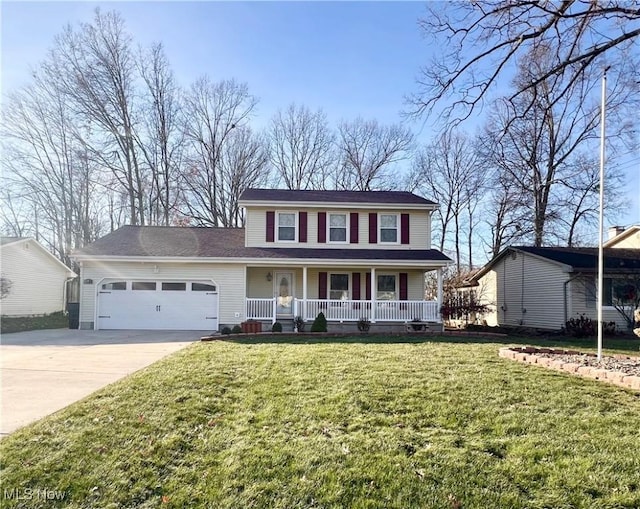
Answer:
(601, 214)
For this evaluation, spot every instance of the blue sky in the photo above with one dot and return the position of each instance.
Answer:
(348, 58)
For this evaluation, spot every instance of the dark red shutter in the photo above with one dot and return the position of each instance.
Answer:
(322, 285)
(322, 227)
(403, 285)
(353, 223)
(355, 286)
(271, 225)
(302, 224)
(404, 228)
(373, 228)
(367, 286)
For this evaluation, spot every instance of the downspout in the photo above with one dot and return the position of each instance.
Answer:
(564, 294)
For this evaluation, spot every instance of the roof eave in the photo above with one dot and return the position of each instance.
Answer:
(336, 205)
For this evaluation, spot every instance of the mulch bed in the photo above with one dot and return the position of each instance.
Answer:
(622, 370)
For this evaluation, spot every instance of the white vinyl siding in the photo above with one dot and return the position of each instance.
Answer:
(486, 294)
(37, 279)
(229, 279)
(420, 234)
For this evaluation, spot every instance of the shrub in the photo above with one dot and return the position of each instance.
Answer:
(236, 329)
(298, 323)
(320, 323)
(583, 326)
(276, 327)
(226, 330)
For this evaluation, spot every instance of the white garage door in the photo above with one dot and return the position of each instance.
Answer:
(159, 305)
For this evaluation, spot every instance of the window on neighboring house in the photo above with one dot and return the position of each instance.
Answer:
(287, 226)
(337, 227)
(387, 288)
(339, 287)
(618, 291)
(389, 228)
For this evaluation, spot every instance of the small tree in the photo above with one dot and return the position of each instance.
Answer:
(320, 323)
(626, 297)
(5, 286)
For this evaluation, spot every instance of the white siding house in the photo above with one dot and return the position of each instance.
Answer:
(37, 278)
(543, 287)
(349, 254)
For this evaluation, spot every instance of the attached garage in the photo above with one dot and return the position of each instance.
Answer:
(157, 304)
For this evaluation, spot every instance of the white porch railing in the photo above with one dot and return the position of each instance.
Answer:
(351, 310)
(261, 309)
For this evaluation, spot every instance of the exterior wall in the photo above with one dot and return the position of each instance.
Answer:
(631, 241)
(419, 224)
(37, 280)
(229, 278)
(582, 301)
(529, 292)
(486, 294)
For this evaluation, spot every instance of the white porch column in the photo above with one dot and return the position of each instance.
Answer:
(373, 294)
(304, 293)
(439, 272)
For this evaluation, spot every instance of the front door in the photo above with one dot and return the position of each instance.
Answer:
(284, 294)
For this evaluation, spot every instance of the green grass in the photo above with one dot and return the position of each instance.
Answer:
(24, 323)
(390, 422)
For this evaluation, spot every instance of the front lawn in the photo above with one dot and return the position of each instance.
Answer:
(392, 422)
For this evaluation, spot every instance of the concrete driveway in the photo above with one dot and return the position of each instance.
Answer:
(46, 370)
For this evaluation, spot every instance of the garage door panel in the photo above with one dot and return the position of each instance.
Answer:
(171, 306)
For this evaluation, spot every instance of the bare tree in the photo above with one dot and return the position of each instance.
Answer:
(535, 142)
(301, 148)
(448, 170)
(163, 142)
(244, 164)
(368, 153)
(95, 68)
(5, 286)
(211, 111)
(482, 41)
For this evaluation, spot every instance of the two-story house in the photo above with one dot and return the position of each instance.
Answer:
(349, 254)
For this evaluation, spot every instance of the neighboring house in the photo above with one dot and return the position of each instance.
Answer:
(37, 278)
(349, 254)
(621, 238)
(542, 287)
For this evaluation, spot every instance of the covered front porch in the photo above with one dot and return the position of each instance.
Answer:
(380, 294)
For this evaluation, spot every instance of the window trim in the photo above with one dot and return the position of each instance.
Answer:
(380, 228)
(277, 226)
(348, 275)
(346, 227)
(396, 276)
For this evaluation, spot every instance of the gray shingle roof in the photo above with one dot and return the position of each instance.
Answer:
(166, 241)
(586, 258)
(373, 197)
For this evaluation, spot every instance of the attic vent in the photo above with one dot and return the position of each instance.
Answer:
(514, 255)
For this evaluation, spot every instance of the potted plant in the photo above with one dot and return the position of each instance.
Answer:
(298, 324)
(364, 324)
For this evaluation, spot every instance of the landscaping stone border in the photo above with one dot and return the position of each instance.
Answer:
(528, 355)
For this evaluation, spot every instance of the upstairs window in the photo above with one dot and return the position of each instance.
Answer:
(286, 226)
(388, 228)
(337, 227)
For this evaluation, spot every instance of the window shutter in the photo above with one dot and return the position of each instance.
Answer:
(271, 225)
(404, 229)
(373, 228)
(302, 224)
(322, 227)
(322, 285)
(355, 286)
(403, 285)
(353, 234)
(367, 285)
